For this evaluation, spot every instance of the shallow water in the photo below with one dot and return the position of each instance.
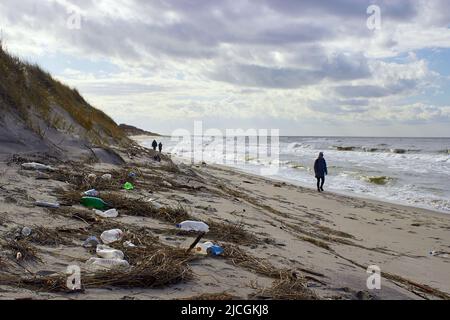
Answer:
(411, 171)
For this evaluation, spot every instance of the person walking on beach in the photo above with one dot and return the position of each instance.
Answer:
(160, 147)
(320, 169)
(154, 145)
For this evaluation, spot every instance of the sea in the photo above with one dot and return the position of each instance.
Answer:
(408, 171)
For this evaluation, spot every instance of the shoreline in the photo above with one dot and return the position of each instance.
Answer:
(329, 191)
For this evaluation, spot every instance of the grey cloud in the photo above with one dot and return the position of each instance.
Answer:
(373, 91)
(339, 68)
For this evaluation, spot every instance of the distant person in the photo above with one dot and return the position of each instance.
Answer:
(160, 147)
(154, 145)
(320, 169)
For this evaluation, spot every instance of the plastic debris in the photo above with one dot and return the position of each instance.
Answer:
(107, 177)
(26, 231)
(132, 175)
(36, 166)
(112, 213)
(109, 253)
(193, 226)
(215, 250)
(128, 186)
(111, 236)
(92, 193)
(46, 204)
(92, 241)
(208, 248)
(19, 256)
(167, 184)
(108, 263)
(94, 203)
(129, 244)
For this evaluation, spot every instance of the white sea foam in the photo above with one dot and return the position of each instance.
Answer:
(403, 170)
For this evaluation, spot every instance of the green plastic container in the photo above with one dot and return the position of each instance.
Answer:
(95, 203)
(128, 186)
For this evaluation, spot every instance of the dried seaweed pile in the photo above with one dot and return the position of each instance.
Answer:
(27, 251)
(289, 287)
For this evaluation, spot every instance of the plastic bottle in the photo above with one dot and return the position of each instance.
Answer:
(26, 231)
(92, 193)
(112, 213)
(108, 263)
(215, 250)
(91, 242)
(107, 177)
(193, 226)
(93, 202)
(109, 253)
(129, 244)
(36, 166)
(46, 204)
(111, 236)
(202, 248)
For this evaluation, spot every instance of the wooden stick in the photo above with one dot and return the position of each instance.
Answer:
(200, 236)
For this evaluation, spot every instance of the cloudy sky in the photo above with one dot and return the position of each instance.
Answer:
(306, 67)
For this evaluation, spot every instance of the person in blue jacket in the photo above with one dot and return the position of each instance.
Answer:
(320, 169)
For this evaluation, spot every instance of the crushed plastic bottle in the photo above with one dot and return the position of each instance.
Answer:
(93, 202)
(111, 236)
(26, 231)
(132, 175)
(106, 177)
(208, 248)
(128, 186)
(112, 213)
(129, 244)
(92, 241)
(108, 263)
(46, 204)
(92, 193)
(36, 166)
(202, 248)
(106, 252)
(215, 250)
(193, 226)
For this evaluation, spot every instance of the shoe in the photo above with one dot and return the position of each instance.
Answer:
(318, 190)
(321, 189)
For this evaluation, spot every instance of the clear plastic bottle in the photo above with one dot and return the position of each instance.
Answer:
(111, 236)
(193, 226)
(112, 213)
(92, 193)
(106, 252)
(202, 248)
(108, 263)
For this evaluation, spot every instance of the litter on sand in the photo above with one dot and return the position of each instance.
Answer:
(111, 236)
(92, 241)
(193, 226)
(128, 186)
(94, 203)
(46, 204)
(112, 213)
(36, 166)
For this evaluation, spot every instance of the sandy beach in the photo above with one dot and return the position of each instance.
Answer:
(281, 241)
